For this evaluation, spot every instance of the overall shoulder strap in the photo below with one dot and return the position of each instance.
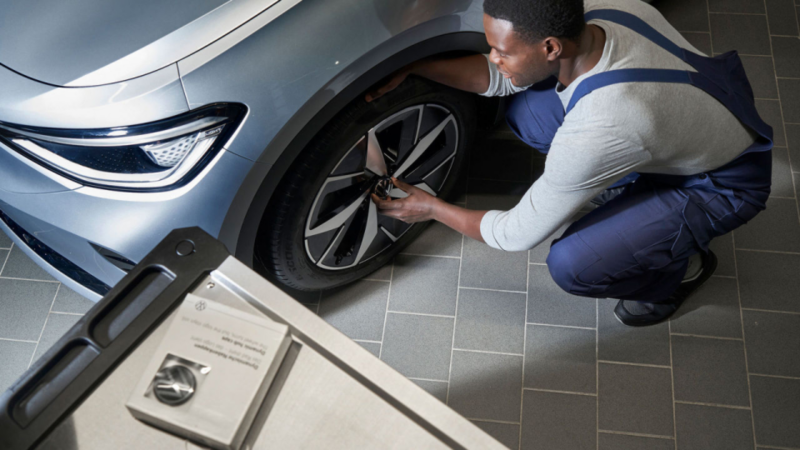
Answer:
(638, 25)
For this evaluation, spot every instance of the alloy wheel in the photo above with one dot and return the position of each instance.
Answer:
(417, 145)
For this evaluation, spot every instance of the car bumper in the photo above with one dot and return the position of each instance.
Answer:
(55, 222)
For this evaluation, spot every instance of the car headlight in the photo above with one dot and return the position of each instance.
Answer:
(155, 156)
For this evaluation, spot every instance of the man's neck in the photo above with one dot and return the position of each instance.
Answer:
(582, 56)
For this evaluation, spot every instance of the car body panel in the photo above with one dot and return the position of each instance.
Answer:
(128, 38)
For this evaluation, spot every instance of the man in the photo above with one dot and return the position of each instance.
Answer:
(634, 106)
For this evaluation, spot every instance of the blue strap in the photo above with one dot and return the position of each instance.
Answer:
(626, 75)
(638, 25)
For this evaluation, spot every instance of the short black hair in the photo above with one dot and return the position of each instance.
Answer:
(534, 20)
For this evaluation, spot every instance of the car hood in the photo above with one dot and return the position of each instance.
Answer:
(94, 42)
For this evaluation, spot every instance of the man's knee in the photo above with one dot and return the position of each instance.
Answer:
(562, 265)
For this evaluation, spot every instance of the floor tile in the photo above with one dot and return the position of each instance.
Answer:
(624, 442)
(777, 228)
(68, 301)
(745, 33)
(559, 421)
(372, 347)
(494, 159)
(711, 311)
(793, 141)
(790, 99)
(437, 240)
(761, 75)
(437, 389)
(57, 325)
(486, 386)
(618, 342)
(776, 411)
(490, 321)
(418, 346)
(782, 19)
(685, 15)
(635, 399)
(701, 41)
(383, 274)
(782, 184)
(424, 284)
(3, 258)
(723, 248)
(487, 268)
(709, 371)
(770, 112)
(505, 433)
(5, 241)
(24, 306)
(549, 304)
(560, 359)
(489, 195)
(708, 427)
(773, 343)
(357, 310)
(20, 266)
(769, 280)
(787, 55)
(16, 357)
(737, 6)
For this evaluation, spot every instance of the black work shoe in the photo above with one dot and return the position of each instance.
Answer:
(640, 314)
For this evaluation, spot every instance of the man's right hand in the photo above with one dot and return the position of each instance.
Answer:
(394, 81)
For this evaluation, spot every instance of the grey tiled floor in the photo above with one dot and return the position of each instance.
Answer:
(491, 335)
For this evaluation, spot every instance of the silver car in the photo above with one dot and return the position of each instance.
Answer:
(122, 120)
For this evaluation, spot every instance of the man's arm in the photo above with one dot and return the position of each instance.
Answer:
(468, 73)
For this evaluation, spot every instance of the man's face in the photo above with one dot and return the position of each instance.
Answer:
(522, 62)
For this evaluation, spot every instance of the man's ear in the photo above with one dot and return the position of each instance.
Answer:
(553, 48)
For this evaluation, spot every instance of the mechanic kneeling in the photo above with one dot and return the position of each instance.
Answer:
(665, 139)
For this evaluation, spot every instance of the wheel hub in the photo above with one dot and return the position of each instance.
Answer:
(416, 145)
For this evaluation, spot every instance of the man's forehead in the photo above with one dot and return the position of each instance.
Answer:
(499, 32)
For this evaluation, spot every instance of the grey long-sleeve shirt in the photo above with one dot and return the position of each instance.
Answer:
(629, 127)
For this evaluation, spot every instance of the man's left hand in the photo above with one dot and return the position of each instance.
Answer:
(419, 206)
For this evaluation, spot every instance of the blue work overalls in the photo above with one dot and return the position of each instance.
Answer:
(637, 246)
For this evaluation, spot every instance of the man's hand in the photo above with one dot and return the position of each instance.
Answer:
(419, 206)
(393, 82)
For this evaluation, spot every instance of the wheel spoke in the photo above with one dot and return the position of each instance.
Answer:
(370, 231)
(337, 220)
(398, 193)
(376, 162)
(423, 145)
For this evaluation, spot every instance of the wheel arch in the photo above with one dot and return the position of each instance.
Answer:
(298, 132)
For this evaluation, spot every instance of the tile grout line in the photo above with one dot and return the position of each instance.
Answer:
(455, 321)
(744, 342)
(704, 337)
(18, 340)
(429, 256)
(759, 251)
(715, 405)
(736, 13)
(555, 391)
(625, 433)
(8, 255)
(771, 311)
(427, 379)
(367, 341)
(419, 314)
(492, 290)
(38, 341)
(672, 381)
(485, 352)
(620, 363)
(67, 313)
(492, 421)
(30, 279)
(524, 341)
(777, 448)
(386, 313)
(764, 375)
(597, 371)
(559, 326)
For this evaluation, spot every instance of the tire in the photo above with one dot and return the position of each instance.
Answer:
(286, 246)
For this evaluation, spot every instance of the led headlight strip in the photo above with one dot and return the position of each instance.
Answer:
(150, 157)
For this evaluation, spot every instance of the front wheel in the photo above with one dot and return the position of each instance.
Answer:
(322, 228)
